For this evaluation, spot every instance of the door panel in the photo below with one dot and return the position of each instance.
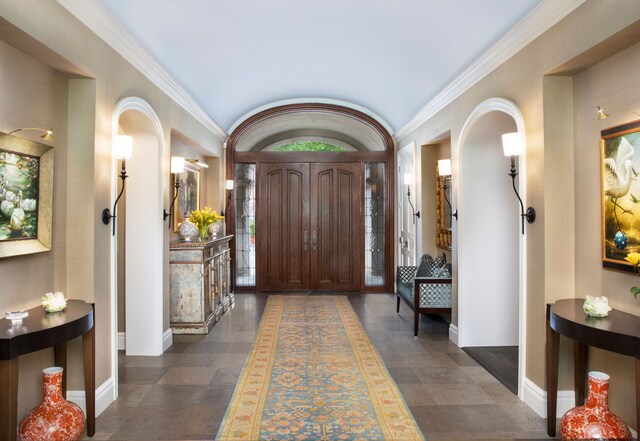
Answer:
(283, 218)
(336, 224)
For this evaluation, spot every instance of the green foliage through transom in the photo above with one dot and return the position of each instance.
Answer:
(309, 146)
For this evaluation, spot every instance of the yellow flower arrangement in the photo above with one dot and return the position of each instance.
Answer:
(634, 259)
(203, 218)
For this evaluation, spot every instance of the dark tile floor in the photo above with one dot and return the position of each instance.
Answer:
(500, 361)
(183, 394)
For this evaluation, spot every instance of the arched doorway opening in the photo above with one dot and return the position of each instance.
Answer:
(315, 219)
(491, 246)
(137, 248)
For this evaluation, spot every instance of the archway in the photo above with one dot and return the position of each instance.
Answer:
(491, 247)
(141, 223)
(296, 209)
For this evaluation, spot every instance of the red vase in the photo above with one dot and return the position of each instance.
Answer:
(593, 420)
(55, 419)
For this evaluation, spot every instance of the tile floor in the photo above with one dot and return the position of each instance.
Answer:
(183, 394)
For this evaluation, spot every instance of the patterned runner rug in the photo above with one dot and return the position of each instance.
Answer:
(313, 374)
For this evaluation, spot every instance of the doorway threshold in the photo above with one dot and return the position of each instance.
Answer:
(499, 361)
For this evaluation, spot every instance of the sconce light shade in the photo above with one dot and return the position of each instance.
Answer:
(444, 167)
(122, 146)
(177, 164)
(512, 144)
(408, 179)
(229, 184)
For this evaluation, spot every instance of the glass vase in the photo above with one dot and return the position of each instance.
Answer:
(203, 233)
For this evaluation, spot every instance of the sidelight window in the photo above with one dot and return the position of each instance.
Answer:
(374, 219)
(245, 184)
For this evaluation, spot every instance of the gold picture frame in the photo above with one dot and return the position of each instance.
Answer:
(443, 214)
(26, 196)
(188, 195)
(620, 166)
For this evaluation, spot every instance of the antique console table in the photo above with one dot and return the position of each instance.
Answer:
(618, 332)
(200, 274)
(41, 330)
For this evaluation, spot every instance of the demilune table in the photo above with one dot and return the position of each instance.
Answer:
(618, 332)
(38, 331)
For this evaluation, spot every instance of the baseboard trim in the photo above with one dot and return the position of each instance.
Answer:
(536, 399)
(453, 333)
(105, 395)
(122, 341)
(167, 339)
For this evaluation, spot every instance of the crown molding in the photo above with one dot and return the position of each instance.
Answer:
(94, 16)
(534, 24)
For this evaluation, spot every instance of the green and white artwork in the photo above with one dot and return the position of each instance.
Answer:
(19, 187)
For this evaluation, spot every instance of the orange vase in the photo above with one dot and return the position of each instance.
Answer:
(594, 420)
(55, 419)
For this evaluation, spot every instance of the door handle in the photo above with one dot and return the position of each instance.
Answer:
(314, 240)
(305, 240)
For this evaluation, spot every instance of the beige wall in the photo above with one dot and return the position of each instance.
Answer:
(611, 84)
(520, 79)
(431, 153)
(36, 95)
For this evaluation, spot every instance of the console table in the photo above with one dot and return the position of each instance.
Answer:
(618, 332)
(200, 293)
(41, 330)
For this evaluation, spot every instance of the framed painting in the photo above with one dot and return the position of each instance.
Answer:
(26, 196)
(188, 195)
(620, 158)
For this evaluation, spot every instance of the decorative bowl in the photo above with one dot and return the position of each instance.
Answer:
(16, 316)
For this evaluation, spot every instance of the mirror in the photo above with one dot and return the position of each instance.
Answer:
(443, 210)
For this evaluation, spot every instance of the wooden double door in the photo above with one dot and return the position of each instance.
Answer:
(309, 227)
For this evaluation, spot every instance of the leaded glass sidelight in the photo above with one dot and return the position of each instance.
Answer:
(374, 245)
(245, 193)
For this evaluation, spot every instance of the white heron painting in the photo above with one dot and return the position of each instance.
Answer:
(620, 194)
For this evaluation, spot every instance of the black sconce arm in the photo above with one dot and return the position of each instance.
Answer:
(445, 185)
(530, 214)
(413, 209)
(106, 214)
(165, 213)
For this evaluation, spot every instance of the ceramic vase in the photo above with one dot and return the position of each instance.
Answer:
(55, 419)
(594, 420)
(214, 229)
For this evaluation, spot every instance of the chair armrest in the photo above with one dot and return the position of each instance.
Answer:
(405, 274)
(432, 292)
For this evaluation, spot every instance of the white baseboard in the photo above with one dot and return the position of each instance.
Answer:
(453, 333)
(122, 341)
(536, 399)
(105, 395)
(167, 339)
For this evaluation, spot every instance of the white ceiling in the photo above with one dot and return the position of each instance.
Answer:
(390, 57)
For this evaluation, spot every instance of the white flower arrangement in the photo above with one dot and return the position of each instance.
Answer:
(596, 306)
(54, 302)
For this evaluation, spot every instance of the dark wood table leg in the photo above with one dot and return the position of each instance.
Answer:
(8, 399)
(580, 371)
(637, 394)
(60, 357)
(88, 346)
(553, 351)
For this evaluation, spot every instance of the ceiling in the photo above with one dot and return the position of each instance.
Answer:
(390, 57)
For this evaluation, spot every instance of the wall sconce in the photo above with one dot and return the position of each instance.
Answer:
(47, 136)
(228, 186)
(512, 146)
(122, 149)
(444, 171)
(177, 167)
(408, 180)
